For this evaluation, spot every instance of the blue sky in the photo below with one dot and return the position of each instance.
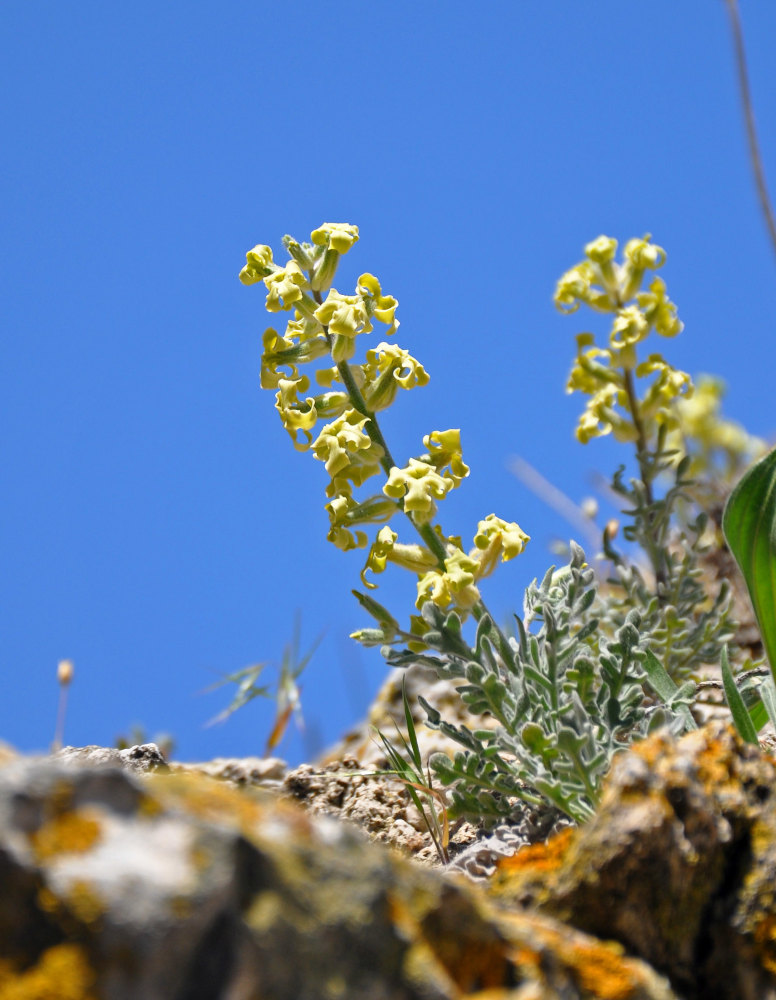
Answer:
(158, 528)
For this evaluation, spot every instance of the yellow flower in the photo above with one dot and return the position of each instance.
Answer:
(344, 513)
(600, 417)
(669, 385)
(601, 250)
(444, 453)
(285, 353)
(388, 367)
(273, 345)
(659, 310)
(417, 485)
(329, 405)
(259, 265)
(628, 329)
(382, 307)
(296, 416)
(385, 549)
(285, 287)
(497, 539)
(378, 554)
(642, 254)
(345, 316)
(588, 375)
(573, 287)
(348, 451)
(338, 236)
(456, 585)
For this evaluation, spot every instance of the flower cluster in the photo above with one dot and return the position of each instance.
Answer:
(607, 375)
(325, 324)
(718, 447)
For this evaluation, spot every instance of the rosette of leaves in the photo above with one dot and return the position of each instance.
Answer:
(565, 699)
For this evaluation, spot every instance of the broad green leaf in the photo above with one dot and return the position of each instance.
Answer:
(749, 524)
(741, 717)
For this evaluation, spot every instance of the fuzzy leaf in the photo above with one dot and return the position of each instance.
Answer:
(664, 687)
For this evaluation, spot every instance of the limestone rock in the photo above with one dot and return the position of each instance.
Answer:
(260, 772)
(142, 758)
(678, 864)
(180, 887)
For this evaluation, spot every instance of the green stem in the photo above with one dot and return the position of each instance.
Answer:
(642, 456)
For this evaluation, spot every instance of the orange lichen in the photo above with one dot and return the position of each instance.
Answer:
(66, 833)
(543, 857)
(652, 750)
(765, 939)
(62, 972)
(715, 764)
(602, 971)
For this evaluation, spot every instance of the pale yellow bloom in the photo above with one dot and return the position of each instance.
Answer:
(259, 265)
(588, 374)
(640, 256)
(600, 417)
(444, 453)
(345, 512)
(574, 287)
(349, 453)
(456, 585)
(329, 405)
(387, 368)
(496, 540)
(285, 287)
(417, 485)
(345, 316)
(659, 310)
(281, 355)
(645, 255)
(670, 384)
(601, 250)
(378, 554)
(339, 236)
(629, 328)
(382, 307)
(385, 549)
(296, 416)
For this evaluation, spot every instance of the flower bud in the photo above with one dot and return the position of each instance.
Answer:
(65, 672)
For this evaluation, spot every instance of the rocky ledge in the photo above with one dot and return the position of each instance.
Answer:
(126, 879)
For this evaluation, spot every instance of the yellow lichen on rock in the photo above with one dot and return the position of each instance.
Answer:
(62, 972)
(71, 832)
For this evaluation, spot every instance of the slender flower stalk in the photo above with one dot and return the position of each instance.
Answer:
(326, 324)
(609, 375)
